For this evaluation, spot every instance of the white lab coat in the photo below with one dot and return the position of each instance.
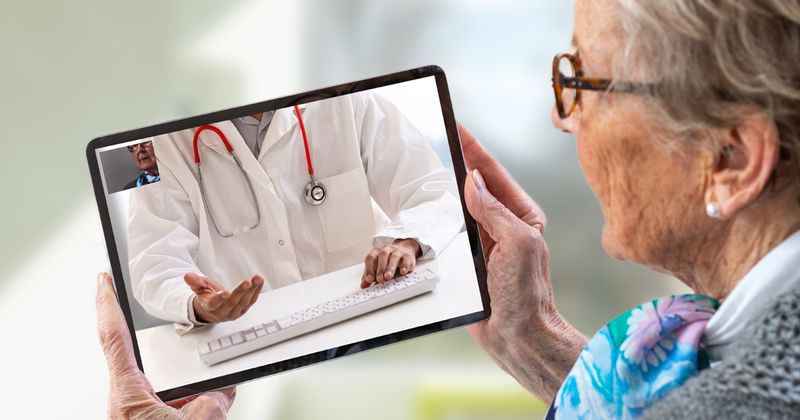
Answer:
(382, 178)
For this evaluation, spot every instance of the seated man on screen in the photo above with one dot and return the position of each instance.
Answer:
(145, 159)
(203, 251)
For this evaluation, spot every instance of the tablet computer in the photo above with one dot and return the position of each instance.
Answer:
(262, 238)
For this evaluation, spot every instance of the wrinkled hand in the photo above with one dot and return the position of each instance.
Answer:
(213, 303)
(131, 394)
(511, 228)
(382, 264)
(525, 334)
(500, 182)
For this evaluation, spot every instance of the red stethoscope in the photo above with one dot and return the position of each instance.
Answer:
(314, 191)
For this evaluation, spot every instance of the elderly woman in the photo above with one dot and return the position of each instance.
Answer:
(687, 117)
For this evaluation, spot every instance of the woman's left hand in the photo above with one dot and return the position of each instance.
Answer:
(525, 335)
(132, 396)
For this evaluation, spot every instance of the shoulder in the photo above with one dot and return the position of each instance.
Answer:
(131, 184)
(368, 101)
(760, 379)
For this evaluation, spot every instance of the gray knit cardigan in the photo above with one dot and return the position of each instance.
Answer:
(759, 379)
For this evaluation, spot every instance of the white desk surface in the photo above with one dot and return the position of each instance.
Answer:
(170, 360)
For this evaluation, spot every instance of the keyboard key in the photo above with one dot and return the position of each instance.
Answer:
(225, 342)
(203, 349)
(426, 274)
(214, 344)
(285, 323)
(237, 338)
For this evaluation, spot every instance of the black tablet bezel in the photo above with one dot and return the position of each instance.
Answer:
(459, 168)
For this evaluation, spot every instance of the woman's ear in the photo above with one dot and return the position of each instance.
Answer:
(746, 159)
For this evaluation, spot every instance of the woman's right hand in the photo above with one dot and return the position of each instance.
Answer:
(131, 395)
(525, 334)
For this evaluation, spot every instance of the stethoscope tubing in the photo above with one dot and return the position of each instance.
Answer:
(203, 192)
(312, 190)
(309, 165)
(197, 136)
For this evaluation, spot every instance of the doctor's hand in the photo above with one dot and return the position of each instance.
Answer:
(525, 335)
(131, 394)
(212, 303)
(385, 263)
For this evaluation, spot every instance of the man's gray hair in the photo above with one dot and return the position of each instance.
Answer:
(706, 55)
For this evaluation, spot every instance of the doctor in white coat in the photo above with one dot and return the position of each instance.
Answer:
(387, 204)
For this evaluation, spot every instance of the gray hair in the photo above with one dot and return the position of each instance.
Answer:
(705, 55)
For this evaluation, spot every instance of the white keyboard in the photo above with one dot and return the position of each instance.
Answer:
(367, 300)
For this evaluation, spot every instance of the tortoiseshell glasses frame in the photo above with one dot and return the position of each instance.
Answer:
(573, 83)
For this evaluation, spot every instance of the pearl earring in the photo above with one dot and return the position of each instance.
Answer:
(712, 210)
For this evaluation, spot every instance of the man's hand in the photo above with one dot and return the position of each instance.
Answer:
(382, 264)
(212, 303)
(132, 396)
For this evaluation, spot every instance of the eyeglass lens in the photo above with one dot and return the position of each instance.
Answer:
(133, 147)
(568, 95)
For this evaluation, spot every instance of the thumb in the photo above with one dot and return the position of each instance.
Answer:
(201, 284)
(211, 405)
(493, 216)
(112, 328)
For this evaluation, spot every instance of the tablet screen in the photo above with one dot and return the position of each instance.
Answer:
(254, 240)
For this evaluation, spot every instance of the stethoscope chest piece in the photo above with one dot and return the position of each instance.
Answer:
(314, 193)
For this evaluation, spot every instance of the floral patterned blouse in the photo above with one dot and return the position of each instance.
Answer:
(636, 359)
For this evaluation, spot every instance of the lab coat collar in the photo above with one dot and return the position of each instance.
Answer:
(283, 122)
(249, 163)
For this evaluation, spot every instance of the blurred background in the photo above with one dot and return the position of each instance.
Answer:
(76, 70)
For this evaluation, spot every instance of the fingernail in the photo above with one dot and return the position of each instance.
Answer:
(478, 178)
(101, 278)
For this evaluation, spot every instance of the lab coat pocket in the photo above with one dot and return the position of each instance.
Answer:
(346, 214)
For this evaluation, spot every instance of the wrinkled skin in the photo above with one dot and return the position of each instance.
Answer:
(145, 158)
(131, 395)
(525, 334)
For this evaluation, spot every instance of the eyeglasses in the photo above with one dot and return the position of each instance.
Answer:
(133, 147)
(568, 82)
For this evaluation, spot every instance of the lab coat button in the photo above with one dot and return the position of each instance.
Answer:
(280, 242)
